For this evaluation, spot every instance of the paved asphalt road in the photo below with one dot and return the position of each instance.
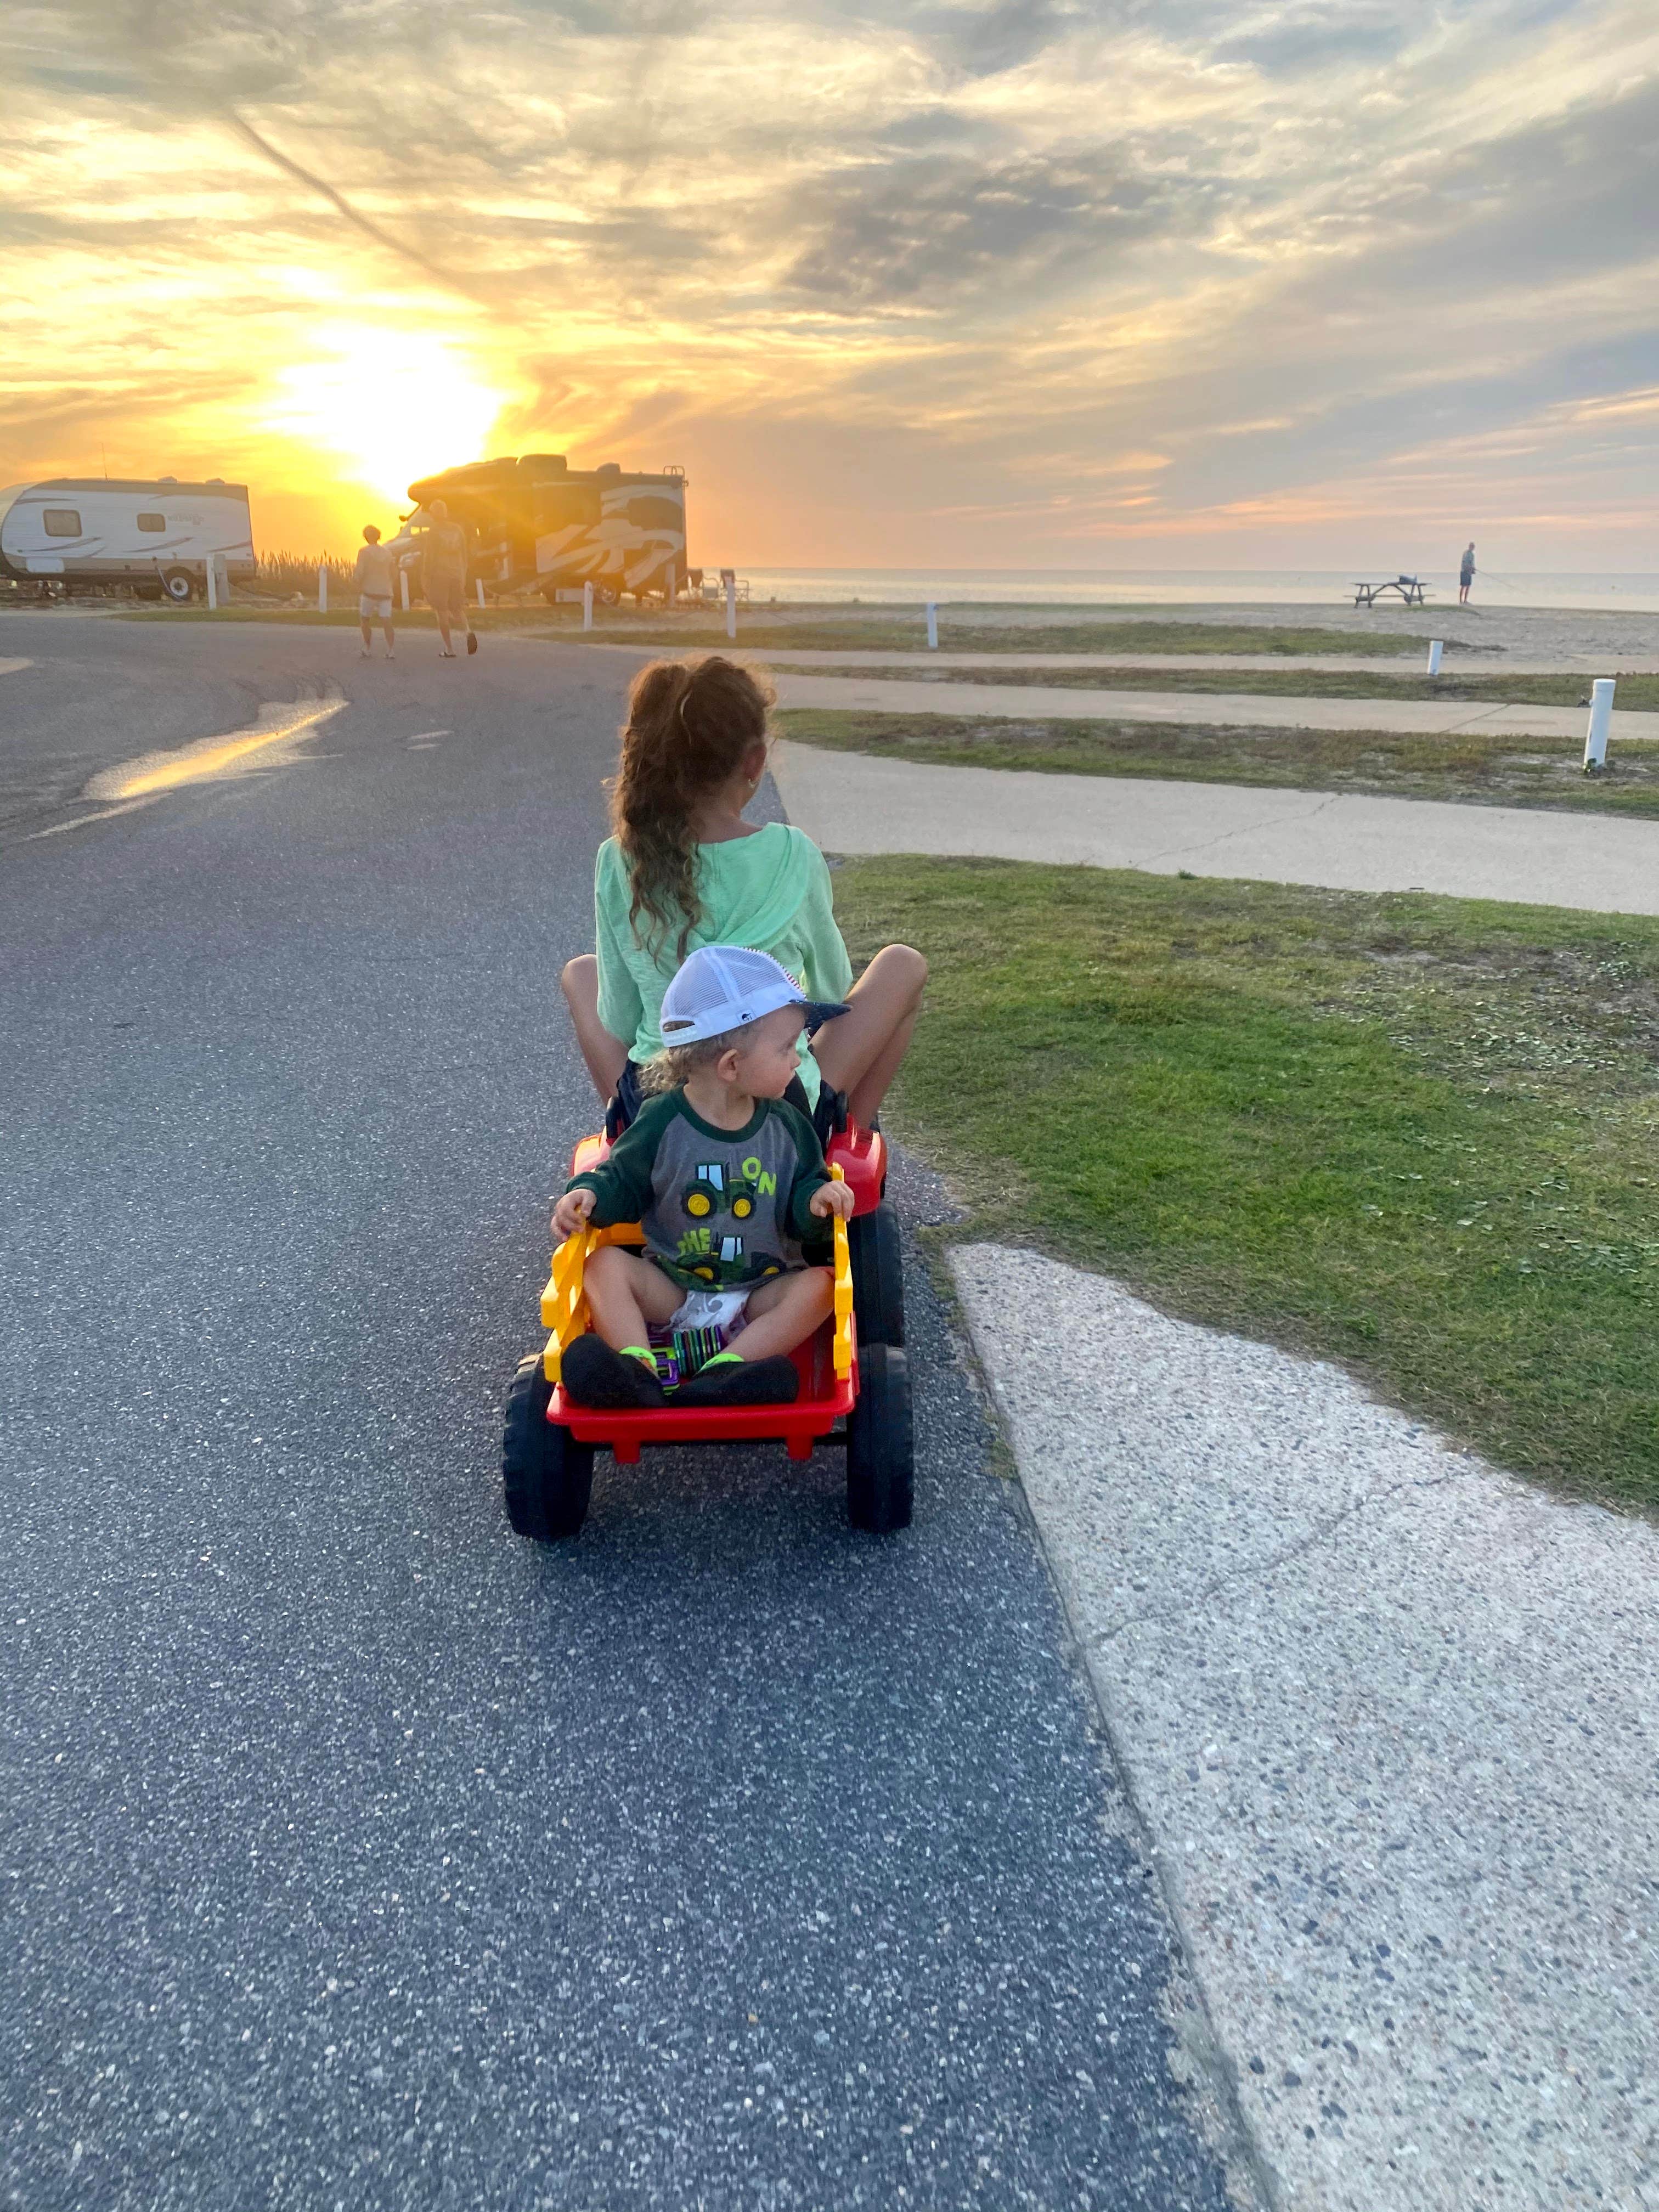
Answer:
(356, 1854)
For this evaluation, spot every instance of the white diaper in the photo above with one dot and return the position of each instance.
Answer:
(721, 1310)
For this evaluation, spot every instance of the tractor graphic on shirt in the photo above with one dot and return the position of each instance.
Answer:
(712, 1255)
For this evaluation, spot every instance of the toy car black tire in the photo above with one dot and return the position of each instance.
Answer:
(880, 1447)
(873, 1247)
(546, 1474)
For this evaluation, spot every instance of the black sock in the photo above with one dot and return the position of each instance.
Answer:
(595, 1374)
(775, 1381)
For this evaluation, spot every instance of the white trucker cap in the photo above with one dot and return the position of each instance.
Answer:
(721, 988)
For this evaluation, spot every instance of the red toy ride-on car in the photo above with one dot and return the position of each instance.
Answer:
(854, 1384)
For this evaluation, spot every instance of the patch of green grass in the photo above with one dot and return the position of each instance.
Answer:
(1634, 693)
(1414, 1134)
(757, 633)
(1478, 770)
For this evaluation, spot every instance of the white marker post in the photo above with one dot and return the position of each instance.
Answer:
(478, 580)
(1600, 724)
(402, 587)
(1434, 656)
(932, 627)
(212, 581)
(587, 606)
(731, 605)
(322, 591)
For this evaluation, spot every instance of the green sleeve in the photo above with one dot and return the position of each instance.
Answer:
(621, 1008)
(622, 1188)
(829, 970)
(811, 1175)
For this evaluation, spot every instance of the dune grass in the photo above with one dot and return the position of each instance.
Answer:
(1477, 769)
(1414, 1134)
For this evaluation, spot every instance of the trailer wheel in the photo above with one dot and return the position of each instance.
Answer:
(178, 585)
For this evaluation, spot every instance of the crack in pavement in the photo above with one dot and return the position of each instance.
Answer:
(1244, 829)
(1260, 1570)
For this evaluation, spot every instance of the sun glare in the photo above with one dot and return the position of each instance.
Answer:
(384, 406)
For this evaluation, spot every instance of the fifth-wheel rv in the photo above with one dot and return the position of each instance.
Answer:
(94, 532)
(534, 521)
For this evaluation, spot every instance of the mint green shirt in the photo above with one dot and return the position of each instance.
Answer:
(770, 892)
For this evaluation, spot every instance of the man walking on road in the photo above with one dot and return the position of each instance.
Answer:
(1466, 574)
(443, 578)
(375, 570)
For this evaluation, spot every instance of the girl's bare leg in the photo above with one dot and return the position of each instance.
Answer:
(605, 1058)
(784, 1312)
(860, 1051)
(625, 1293)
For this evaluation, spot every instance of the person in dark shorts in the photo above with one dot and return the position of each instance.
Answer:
(443, 578)
(1466, 574)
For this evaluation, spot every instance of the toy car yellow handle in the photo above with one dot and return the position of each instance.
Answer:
(843, 1337)
(564, 1300)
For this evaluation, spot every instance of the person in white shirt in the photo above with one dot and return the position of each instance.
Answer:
(377, 569)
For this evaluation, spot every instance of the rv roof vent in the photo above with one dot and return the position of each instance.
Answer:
(543, 461)
(166, 479)
(608, 469)
(214, 479)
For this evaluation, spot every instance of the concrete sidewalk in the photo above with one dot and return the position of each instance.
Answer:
(1410, 664)
(1053, 703)
(1389, 1715)
(852, 803)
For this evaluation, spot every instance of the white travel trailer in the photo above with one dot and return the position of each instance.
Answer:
(95, 531)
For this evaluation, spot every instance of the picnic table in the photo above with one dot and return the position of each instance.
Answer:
(1410, 589)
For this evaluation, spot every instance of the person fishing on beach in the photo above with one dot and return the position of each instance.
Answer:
(1466, 574)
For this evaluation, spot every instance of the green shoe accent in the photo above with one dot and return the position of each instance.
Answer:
(722, 1359)
(641, 1352)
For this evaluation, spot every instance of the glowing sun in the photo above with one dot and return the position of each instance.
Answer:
(391, 404)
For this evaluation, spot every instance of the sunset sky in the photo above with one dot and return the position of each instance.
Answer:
(1166, 282)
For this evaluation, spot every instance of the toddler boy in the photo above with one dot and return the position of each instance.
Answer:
(728, 1183)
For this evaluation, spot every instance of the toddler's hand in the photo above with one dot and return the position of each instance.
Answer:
(831, 1197)
(571, 1212)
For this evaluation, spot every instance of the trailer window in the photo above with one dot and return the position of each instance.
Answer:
(63, 521)
(152, 522)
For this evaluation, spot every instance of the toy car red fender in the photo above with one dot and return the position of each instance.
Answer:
(854, 1381)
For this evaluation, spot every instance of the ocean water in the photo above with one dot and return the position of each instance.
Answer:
(1636, 592)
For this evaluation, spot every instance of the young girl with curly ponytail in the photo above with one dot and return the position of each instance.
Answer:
(684, 868)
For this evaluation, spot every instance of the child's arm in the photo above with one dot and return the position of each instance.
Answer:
(621, 1008)
(813, 1197)
(621, 1189)
(829, 969)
